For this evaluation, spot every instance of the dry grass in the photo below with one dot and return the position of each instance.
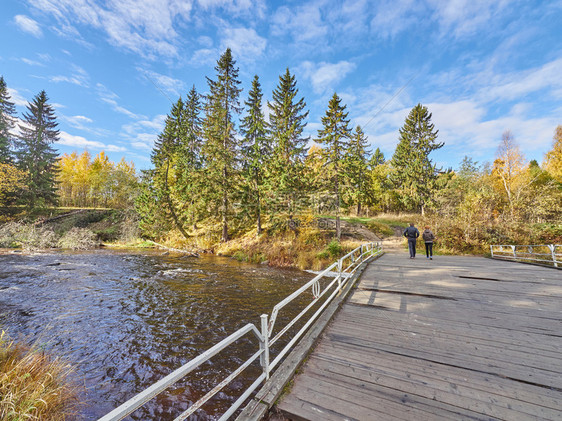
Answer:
(33, 385)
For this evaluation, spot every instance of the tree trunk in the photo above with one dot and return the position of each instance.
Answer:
(338, 226)
(358, 208)
(224, 208)
(258, 222)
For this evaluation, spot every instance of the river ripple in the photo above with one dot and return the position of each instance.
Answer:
(125, 319)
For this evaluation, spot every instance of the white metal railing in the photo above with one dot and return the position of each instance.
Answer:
(550, 254)
(340, 271)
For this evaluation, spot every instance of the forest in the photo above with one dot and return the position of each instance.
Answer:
(229, 177)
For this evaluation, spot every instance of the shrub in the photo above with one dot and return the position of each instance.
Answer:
(29, 237)
(334, 248)
(78, 239)
(33, 385)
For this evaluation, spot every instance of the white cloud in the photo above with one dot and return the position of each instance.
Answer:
(205, 57)
(68, 139)
(245, 43)
(26, 24)
(31, 62)
(80, 77)
(394, 16)
(164, 83)
(16, 98)
(141, 134)
(145, 27)
(325, 76)
(111, 98)
(466, 17)
(519, 84)
(304, 23)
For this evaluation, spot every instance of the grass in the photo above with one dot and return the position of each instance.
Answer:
(33, 385)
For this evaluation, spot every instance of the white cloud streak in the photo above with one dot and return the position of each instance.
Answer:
(68, 139)
(26, 24)
(325, 76)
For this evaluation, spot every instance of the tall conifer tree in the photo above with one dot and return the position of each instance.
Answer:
(256, 148)
(164, 158)
(357, 174)
(221, 148)
(189, 158)
(413, 172)
(34, 152)
(287, 122)
(335, 135)
(7, 118)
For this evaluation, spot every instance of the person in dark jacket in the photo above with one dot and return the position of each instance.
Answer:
(428, 238)
(412, 234)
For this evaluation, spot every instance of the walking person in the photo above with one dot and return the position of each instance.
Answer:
(428, 238)
(412, 233)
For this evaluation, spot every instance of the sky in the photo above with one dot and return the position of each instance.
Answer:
(112, 68)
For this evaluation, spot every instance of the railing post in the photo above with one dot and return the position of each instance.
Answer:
(264, 345)
(492, 250)
(514, 252)
(552, 248)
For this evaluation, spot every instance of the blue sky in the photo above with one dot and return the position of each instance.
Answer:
(111, 68)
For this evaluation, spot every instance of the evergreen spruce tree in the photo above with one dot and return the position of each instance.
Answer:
(221, 148)
(35, 154)
(189, 160)
(286, 124)
(335, 135)
(376, 159)
(164, 158)
(7, 118)
(413, 172)
(256, 149)
(357, 170)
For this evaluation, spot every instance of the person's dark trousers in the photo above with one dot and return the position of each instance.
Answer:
(412, 246)
(429, 249)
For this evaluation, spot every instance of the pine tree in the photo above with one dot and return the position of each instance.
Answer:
(221, 148)
(7, 118)
(357, 174)
(256, 148)
(336, 137)
(286, 123)
(413, 172)
(34, 152)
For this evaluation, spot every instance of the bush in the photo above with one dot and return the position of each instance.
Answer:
(29, 237)
(33, 385)
(78, 239)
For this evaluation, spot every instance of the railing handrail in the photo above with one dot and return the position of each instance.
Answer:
(264, 338)
(529, 255)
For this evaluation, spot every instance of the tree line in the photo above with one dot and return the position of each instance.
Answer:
(34, 175)
(219, 161)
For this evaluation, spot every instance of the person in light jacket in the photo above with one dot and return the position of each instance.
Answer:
(412, 233)
(428, 238)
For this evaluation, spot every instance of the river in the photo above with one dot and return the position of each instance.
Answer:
(127, 318)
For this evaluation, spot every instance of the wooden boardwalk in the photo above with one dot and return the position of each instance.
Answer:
(456, 338)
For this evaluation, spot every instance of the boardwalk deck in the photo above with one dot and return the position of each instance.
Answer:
(448, 339)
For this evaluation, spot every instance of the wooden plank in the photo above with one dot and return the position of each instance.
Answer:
(463, 394)
(404, 367)
(428, 336)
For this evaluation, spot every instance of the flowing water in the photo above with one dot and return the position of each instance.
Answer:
(125, 319)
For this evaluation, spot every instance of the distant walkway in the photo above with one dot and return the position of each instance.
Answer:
(449, 339)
